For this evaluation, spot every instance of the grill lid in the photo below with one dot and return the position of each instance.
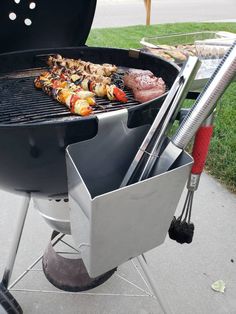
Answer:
(44, 24)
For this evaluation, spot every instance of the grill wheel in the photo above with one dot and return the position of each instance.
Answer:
(8, 303)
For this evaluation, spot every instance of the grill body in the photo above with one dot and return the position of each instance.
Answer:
(32, 155)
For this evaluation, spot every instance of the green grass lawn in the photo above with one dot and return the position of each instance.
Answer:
(221, 161)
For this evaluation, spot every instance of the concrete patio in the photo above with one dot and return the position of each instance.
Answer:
(184, 273)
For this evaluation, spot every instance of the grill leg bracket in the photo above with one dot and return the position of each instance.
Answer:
(161, 300)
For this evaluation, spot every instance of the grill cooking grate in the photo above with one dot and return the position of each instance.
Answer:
(21, 103)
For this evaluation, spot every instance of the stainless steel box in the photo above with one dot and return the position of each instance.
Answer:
(109, 224)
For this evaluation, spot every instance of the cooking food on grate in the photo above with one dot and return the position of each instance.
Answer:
(69, 77)
(98, 84)
(75, 83)
(160, 53)
(144, 84)
(76, 99)
(105, 69)
(178, 53)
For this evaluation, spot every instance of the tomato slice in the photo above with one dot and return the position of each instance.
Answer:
(120, 94)
(73, 100)
(91, 85)
(55, 83)
(63, 77)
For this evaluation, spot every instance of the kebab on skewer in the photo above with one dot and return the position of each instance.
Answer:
(76, 99)
(99, 84)
(105, 69)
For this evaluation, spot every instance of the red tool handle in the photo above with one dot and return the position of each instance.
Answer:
(200, 148)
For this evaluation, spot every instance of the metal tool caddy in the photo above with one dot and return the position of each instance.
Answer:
(110, 224)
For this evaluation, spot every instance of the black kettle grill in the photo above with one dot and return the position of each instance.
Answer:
(34, 127)
(35, 130)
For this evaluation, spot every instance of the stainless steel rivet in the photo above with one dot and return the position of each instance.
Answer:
(32, 5)
(12, 16)
(28, 22)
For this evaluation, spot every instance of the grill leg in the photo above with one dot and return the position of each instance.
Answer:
(16, 241)
(163, 304)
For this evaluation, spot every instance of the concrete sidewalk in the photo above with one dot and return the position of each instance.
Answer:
(184, 273)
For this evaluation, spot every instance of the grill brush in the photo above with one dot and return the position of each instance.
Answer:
(181, 228)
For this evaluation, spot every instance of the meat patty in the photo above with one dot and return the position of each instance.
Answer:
(148, 94)
(144, 84)
(133, 78)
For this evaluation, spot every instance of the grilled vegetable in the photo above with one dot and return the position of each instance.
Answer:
(114, 92)
(97, 84)
(76, 99)
(74, 83)
(90, 76)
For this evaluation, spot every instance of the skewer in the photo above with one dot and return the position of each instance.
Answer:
(105, 69)
(77, 100)
(98, 84)
(76, 91)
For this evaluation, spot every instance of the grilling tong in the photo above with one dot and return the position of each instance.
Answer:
(150, 160)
